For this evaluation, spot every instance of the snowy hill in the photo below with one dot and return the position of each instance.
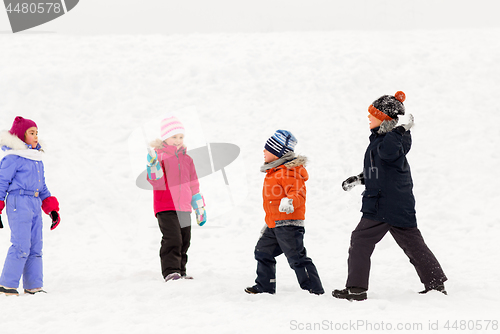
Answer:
(89, 95)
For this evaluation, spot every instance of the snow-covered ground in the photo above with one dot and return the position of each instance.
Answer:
(90, 95)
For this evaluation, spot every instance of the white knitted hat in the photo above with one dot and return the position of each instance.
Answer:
(171, 126)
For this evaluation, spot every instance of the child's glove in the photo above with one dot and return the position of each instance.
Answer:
(201, 216)
(353, 181)
(198, 204)
(286, 205)
(406, 127)
(152, 157)
(154, 169)
(2, 205)
(56, 219)
(50, 206)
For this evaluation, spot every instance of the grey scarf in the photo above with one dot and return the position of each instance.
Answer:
(283, 160)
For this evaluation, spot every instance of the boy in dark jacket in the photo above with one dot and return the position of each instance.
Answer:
(388, 203)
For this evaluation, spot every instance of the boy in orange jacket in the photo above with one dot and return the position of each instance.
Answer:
(284, 196)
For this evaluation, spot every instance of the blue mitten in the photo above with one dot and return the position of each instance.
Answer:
(198, 204)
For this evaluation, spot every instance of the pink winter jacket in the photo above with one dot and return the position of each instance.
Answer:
(174, 192)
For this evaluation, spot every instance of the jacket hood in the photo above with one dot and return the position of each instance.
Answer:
(12, 141)
(386, 126)
(288, 161)
(300, 160)
(11, 145)
(295, 167)
(160, 146)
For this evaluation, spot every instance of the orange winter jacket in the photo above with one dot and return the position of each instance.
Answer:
(287, 180)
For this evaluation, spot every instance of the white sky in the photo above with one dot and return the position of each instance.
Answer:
(207, 16)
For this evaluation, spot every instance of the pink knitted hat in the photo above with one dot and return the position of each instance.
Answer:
(171, 126)
(20, 126)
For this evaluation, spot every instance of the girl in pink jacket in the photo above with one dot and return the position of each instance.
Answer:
(176, 189)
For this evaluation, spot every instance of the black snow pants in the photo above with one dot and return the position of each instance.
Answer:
(175, 241)
(368, 233)
(290, 241)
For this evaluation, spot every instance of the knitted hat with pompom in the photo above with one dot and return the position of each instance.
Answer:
(388, 107)
(20, 126)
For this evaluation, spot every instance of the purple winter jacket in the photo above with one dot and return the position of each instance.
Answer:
(174, 192)
(21, 168)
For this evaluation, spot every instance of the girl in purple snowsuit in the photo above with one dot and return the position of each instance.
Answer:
(24, 194)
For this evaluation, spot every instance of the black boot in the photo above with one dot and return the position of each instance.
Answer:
(8, 291)
(252, 290)
(439, 288)
(34, 291)
(350, 294)
(319, 293)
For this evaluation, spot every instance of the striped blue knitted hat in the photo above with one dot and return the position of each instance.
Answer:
(281, 143)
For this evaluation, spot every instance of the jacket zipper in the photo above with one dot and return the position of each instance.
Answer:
(180, 180)
(372, 168)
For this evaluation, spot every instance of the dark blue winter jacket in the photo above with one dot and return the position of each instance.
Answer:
(388, 196)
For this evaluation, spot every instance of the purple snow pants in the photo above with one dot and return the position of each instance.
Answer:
(24, 257)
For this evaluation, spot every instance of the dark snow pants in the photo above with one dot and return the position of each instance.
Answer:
(175, 241)
(368, 233)
(290, 241)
